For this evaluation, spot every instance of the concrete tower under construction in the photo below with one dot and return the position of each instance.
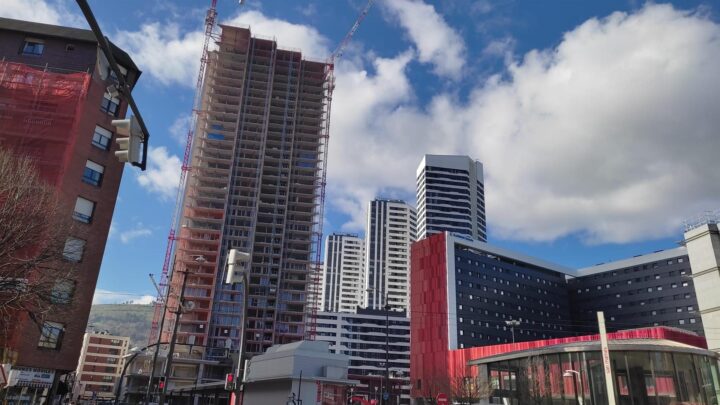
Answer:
(255, 184)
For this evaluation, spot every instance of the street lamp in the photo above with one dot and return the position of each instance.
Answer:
(235, 258)
(575, 376)
(512, 324)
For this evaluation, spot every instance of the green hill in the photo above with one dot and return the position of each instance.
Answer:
(124, 320)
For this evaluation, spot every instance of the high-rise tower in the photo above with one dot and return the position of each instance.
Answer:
(390, 231)
(451, 196)
(255, 185)
(343, 280)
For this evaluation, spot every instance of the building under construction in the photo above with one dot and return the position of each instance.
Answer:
(254, 183)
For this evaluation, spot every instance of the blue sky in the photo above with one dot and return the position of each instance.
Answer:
(596, 121)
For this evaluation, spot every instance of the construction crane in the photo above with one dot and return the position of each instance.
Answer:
(159, 306)
(315, 276)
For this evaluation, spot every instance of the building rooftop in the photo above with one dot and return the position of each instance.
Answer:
(506, 253)
(633, 261)
(57, 31)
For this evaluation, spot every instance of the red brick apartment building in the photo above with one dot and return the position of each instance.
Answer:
(55, 107)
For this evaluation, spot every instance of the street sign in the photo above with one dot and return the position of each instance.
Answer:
(386, 395)
(441, 399)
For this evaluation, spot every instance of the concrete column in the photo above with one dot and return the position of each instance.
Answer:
(703, 245)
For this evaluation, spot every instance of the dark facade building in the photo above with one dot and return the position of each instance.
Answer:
(469, 294)
(648, 290)
(55, 108)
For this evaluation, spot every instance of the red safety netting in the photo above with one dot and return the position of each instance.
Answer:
(39, 113)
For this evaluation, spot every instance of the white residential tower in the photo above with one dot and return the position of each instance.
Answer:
(343, 279)
(389, 233)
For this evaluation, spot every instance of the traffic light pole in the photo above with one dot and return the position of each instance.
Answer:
(124, 89)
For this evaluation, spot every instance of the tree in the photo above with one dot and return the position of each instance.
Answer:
(534, 381)
(36, 253)
(462, 388)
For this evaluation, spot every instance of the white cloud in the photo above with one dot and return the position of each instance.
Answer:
(164, 52)
(179, 128)
(437, 43)
(138, 231)
(56, 12)
(611, 135)
(118, 297)
(163, 173)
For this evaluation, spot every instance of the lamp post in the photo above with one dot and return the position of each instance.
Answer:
(177, 312)
(240, 261)
(512, 324)
(575, 376)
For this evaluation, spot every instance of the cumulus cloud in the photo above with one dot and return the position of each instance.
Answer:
(608, 135)
(611, 135)
(437, 43)
(163, 173)
(155, 44)
(56, 12)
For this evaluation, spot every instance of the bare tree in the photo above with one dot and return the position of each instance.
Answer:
(533, 381)
(462, 388)
(36, 253)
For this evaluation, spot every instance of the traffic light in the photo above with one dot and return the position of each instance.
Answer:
(130, 138)
(161, 384)
(235, 266)
(229, 382)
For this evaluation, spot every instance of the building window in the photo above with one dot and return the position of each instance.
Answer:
(73, 250)
(93, 173)
(681, 322)
(685, 284)
(33, 47)
(110, 104)
(51, 335)
(83, 210)
(692, 320)
(62, 292)
(101, 138)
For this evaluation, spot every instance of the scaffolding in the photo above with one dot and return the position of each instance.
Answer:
(39, 112)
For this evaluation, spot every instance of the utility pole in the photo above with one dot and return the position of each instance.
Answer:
(173, 337)
(171, 350)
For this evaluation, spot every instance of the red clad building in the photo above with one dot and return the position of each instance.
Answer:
(55, 107)
(465, 295)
